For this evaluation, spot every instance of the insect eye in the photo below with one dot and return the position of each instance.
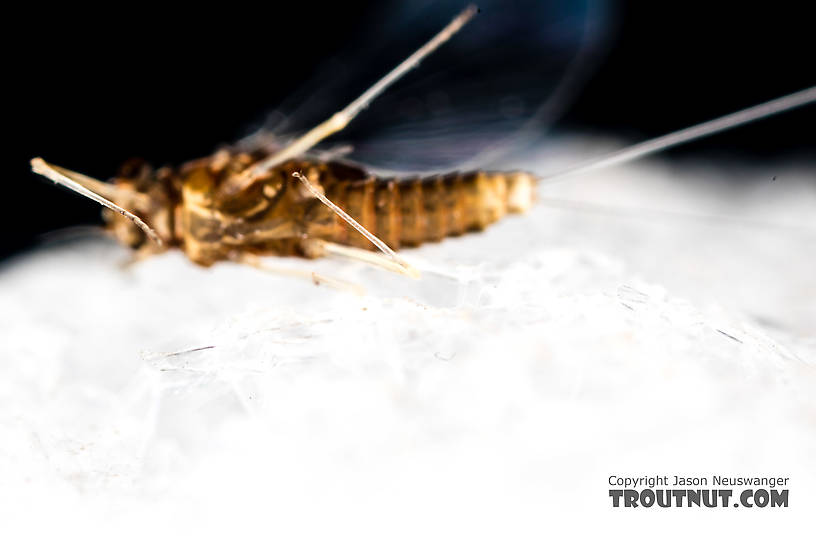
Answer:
(137, 171)
(272, 188)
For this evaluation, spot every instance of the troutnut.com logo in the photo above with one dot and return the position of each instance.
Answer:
(698, 491)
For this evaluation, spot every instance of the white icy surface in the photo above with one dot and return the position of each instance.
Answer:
(488, 401)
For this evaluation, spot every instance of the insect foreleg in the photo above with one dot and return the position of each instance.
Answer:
(95, 190)
(341, 119)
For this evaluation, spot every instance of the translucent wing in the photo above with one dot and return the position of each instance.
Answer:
(506, 75)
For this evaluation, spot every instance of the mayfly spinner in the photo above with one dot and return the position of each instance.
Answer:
(238, 204)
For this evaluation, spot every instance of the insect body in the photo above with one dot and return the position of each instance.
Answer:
(238, 204)
(235, 205)
(278, 216)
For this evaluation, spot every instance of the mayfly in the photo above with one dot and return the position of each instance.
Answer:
(241, 203)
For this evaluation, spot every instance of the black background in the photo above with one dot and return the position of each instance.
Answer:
(93, 88)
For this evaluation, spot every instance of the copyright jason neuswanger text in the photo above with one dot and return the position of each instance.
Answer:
(674, 491)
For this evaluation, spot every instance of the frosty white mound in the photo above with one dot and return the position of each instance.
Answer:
(477, 406)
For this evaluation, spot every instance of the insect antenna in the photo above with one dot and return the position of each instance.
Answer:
(742, 117)
(339, 120)
(102, 193)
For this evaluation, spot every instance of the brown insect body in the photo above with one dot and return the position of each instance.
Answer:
(278, 216)
(283, 201)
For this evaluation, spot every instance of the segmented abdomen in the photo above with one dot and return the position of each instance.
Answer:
(410, 211)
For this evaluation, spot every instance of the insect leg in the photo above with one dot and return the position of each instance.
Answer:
(339, 120)
(95, 190)
(394, 262)
(318, 248)
(252, 260)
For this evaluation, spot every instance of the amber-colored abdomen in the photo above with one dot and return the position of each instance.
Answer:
(275, 216)
(410, 211)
